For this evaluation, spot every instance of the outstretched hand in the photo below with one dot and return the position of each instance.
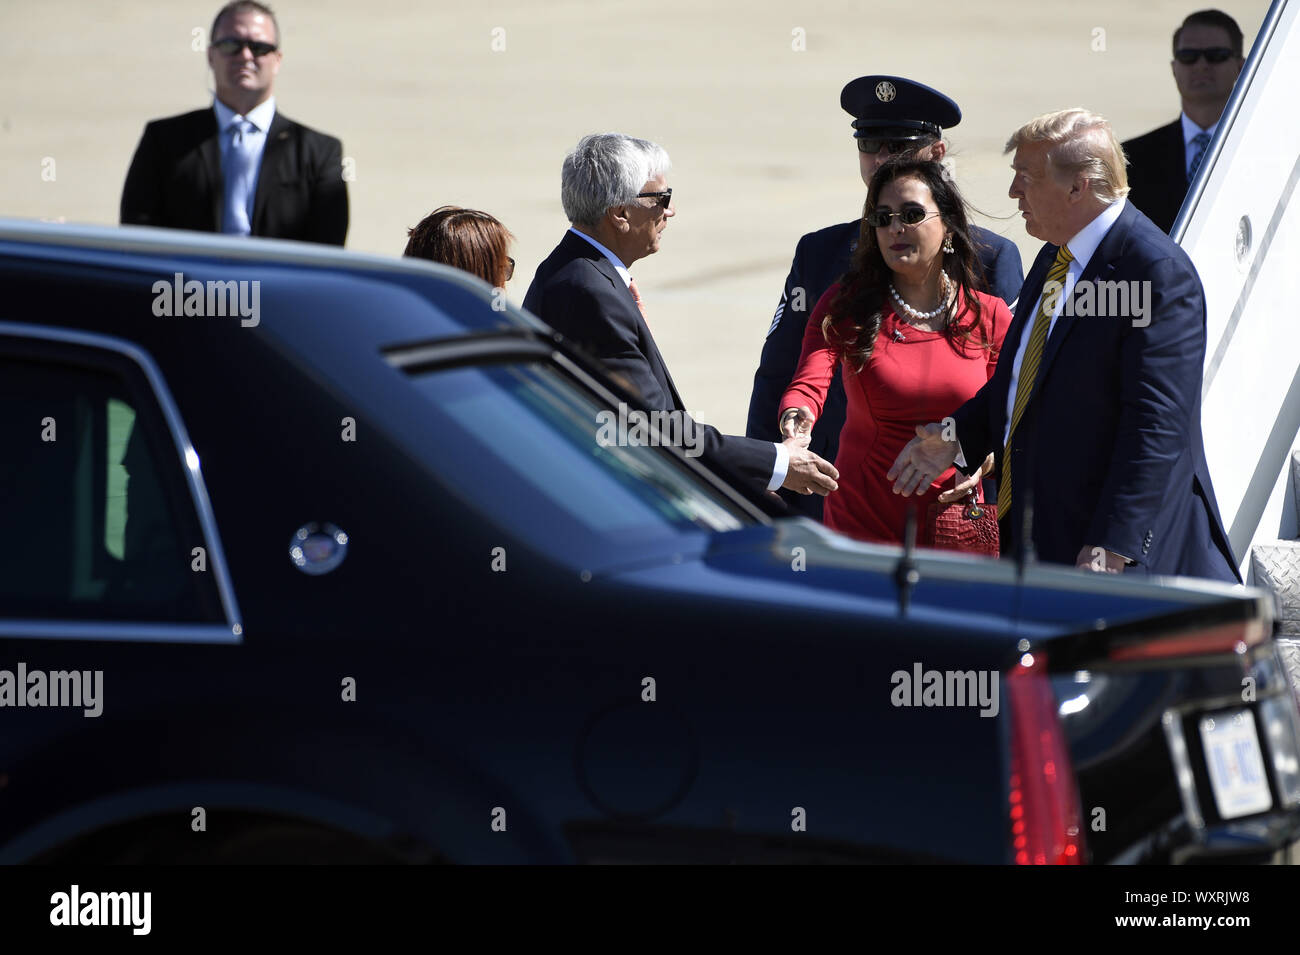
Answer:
(922, 460)
(808, 473)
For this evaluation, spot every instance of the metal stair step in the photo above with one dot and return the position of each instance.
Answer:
(1277, 566)
(1295, 479)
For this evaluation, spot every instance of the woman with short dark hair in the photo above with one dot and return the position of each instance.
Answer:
(467, 239)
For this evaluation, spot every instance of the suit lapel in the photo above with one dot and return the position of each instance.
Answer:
(210, 154)
(1177, 152)
(1099, 267)
(647, 340)
(662, 366)
(1027, 306)
(268, 176)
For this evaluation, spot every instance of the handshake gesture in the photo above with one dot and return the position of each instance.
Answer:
(808, 473)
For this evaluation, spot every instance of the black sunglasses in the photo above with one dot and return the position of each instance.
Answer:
(664, 197)
(911, 215)
(892, 146)
(232, 46)
(510, 268)
(1213, 54)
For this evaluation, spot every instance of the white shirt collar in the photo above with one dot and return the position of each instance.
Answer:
(1191, 130)
(623, 273)
(1085, 242)
(260, 115)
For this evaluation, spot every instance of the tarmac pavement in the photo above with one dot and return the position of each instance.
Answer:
(477, 104)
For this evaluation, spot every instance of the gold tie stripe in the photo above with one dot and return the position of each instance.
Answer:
(1052, 290)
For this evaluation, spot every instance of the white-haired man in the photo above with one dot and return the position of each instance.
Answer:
(616, 196)
(1094, 410)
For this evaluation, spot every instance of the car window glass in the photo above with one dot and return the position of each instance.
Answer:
(534, 424)
(99, 522)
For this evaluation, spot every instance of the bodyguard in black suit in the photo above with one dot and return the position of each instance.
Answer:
(615, 192)
(892, 115)
(1094, 410)
(1158, 175)
(1207, 60)
(240, 167)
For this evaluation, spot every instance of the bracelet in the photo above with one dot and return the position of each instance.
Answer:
(788, 413)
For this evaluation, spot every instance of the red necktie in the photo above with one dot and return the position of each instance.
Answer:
(636, 297)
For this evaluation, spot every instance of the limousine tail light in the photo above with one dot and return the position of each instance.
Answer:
(1234, 637)
(1046, 821)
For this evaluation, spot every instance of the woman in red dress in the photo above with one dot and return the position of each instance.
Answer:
(916, 336)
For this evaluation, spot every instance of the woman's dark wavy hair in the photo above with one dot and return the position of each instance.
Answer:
(853, 319)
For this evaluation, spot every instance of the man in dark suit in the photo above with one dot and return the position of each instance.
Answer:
(1094, 410)
(892, 116)
(240, 167)
(615, 194)
(1207, 60)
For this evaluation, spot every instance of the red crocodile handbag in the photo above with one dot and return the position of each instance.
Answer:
(967, 526)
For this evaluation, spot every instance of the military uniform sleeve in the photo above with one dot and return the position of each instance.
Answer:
(1005, 272)
(780, 352)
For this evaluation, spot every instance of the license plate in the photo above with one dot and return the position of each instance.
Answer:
(1235, 763)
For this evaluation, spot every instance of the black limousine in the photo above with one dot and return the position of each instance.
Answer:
(315, 556)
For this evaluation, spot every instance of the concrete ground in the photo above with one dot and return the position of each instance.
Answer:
(477, 104)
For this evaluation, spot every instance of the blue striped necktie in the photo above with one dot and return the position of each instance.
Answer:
(1200, 142)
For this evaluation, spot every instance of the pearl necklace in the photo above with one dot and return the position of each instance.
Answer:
(920, 316)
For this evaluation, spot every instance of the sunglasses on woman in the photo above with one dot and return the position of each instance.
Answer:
(910, 215)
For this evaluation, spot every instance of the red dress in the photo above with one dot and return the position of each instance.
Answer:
(910, 380)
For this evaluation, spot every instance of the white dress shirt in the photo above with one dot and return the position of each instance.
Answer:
(1082, 247)
(260, 116)
(782, 452)
(1190, 132)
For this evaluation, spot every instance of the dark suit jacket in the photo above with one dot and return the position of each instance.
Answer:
(1110, 442)
(821, 258)
(1157, 173)
(175, 180)
(578, 292)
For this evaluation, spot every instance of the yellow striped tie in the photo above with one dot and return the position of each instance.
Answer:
(1052, 290)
